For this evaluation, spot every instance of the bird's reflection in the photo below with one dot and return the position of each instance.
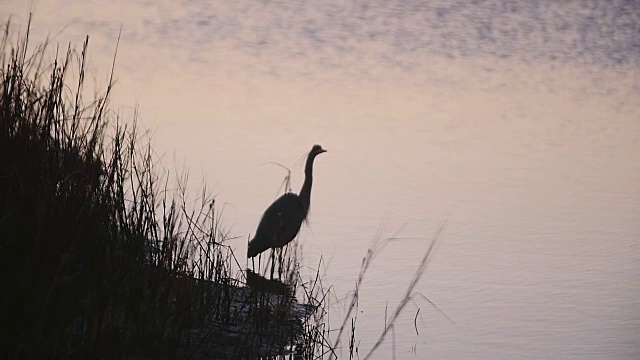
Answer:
(274, 286)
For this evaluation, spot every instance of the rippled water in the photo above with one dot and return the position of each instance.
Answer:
(516, 124)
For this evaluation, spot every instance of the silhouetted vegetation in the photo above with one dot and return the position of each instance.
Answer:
(98, 257)
(101, 258)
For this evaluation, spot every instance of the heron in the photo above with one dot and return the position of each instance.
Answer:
(281, 221)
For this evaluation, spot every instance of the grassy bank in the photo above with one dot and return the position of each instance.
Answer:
(98, 259)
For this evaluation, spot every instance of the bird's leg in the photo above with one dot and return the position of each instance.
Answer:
(272, 262)
(280, 263)
(247, 263)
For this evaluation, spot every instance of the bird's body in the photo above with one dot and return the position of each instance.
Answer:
(279, 224)
(281, 221)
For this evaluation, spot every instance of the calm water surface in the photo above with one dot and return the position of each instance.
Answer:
(516, 124)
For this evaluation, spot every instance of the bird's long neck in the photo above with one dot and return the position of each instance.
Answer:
(305, 192)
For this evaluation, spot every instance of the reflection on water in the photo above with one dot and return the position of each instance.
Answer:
(515, 122)
(273, 286)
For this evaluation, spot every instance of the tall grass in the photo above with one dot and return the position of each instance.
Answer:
(97, 257)
(101, 257)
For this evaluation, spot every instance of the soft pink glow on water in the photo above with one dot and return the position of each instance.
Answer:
(532, 164)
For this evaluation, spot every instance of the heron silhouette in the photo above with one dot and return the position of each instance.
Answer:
(281, 221)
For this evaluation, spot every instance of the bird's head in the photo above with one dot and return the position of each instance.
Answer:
(316, 149)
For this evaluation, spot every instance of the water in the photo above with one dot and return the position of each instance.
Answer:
(515, 124)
